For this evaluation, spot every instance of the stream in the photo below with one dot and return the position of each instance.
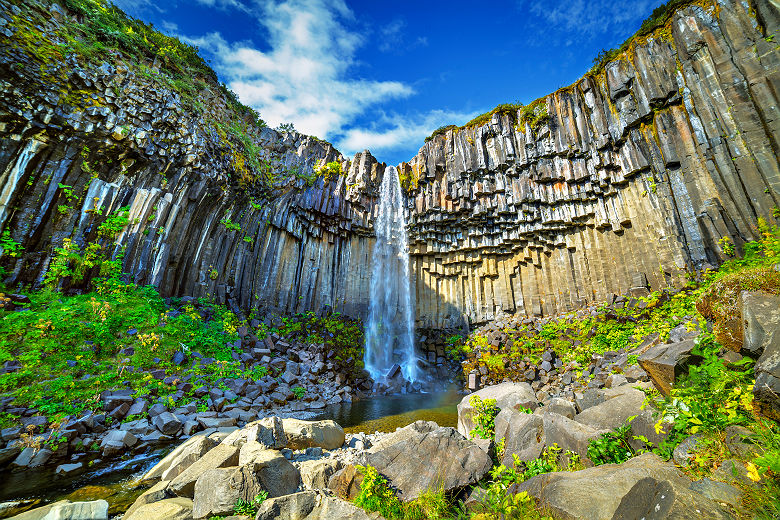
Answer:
(117, 482)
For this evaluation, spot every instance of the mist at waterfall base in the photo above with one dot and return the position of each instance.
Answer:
(390, 355)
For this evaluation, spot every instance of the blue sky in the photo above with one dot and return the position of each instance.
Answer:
(384, 75)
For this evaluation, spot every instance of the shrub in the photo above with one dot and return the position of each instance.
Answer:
(484, 417)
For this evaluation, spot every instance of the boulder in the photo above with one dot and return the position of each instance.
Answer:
(507, 395)
(760, 320)
(429, 459)
(762, 338)
(275, 473)
(665, 363)
(32, 458)
(306, 434)
(561, 407)
(345, 483)
(311, 505)
(95, 510)
(269, 432)
(222, 456)
(154, 494)
(178, 508)
(315, 474)
(522, 433)
(643, 487)
(613, 412)
(568, 434)
(218, 490)
(116, 442)
(167, 423)
(180, 458)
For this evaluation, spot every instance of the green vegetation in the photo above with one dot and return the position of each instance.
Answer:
(342, 335)
(9, 246)
(102, 29)
(376, 495)
(660, 17)
(330, 171)
(250, 508)
(230, 225)
(484, 417)
(613, 447)
(442, 130)
(505, 109)
(534, 115)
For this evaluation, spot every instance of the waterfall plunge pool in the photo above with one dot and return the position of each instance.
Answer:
(118, 482)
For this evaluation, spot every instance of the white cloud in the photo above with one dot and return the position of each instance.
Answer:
(398, 131)
(304, 76)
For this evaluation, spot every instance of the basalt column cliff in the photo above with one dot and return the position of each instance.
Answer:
(627, 179)
(635, 176)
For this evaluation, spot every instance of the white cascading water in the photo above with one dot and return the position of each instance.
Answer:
(390, 327)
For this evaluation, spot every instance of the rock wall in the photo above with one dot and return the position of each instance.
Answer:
(77, 135)
(639, 173)
(635, 178)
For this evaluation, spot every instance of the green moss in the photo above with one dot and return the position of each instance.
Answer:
(505, 109)
(442, 130)
(660, 16)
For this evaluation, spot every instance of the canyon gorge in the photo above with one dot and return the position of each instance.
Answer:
(633, 176)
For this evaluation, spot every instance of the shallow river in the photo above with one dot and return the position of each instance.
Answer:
(117, 483)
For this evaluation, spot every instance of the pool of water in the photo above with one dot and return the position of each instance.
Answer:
(387, 413)
(118, 483)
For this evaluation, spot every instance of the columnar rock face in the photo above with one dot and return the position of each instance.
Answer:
(636, 175)
(79, 140)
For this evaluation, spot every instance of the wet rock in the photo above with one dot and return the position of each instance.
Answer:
(69, 469)
(117, 441)
(32, 458)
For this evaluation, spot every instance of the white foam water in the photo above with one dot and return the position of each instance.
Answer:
(390, 326)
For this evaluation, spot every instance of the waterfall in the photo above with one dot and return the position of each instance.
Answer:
(390, 327)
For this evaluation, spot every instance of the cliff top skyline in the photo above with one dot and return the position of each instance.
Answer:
(368, 75)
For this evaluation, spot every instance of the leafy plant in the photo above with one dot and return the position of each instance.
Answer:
(250, 508)
(299, 392)
(612, 447)
(230, 225)
(484, 417)
(711, 397)
(9, 246)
